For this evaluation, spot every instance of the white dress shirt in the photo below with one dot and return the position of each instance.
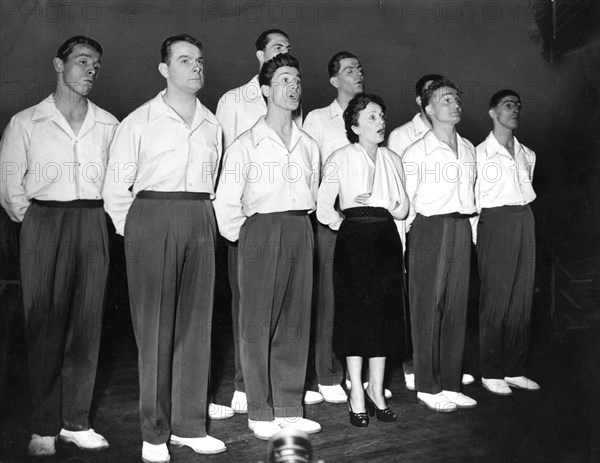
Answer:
(326, 126)
(260, 175)
(350, 172)
(501, 179)
(240, 108)
(405, 135)
(42, 158)
(438, 181)
(154, 149)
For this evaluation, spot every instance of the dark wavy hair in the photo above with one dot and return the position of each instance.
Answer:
(66, 48)
(420, 85)
(334, 63)
(263, 39)
(268, 69)
(496, 97)
(165, 48)
(356, 105)
(436, 85)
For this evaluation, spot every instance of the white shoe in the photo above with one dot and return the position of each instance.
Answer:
(467, 379)
(299, 424)
(522, 382)
(409, 380)
(263, 429)
(333, 394)
(206, 445)
(461, 400)
(155, 453)
(496, 386)
(239, 402)
(219, 412)
(386, 392)
(437, 402)
(86, 440)
(41, 446)
(312, 397)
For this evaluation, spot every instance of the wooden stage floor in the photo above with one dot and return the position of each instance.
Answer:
(557, 424)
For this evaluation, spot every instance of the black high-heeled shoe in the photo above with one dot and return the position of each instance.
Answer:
(360, 420)
(386, 415)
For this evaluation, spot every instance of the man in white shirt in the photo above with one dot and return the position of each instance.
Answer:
(400, 139)
(440, 174)
(237, 111)
(162, 174)
(53, 158)
(267, 187)
(505, 248)
(326, 126)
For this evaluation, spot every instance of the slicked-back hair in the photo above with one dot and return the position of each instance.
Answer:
(334, 63)
(496, 97)
(66, 48)
(355, 106)
(263, 39)
(268, 69)
(435, 85)
(423, 81)
(165, 48)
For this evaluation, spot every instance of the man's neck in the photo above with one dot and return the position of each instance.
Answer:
(343, 99)
(425, 120)
(446, 133)
(280, 120)
(69, 103)
(504, 136)
(182, 103)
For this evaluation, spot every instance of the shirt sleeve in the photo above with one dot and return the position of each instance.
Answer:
(328, 192)
(401, 209)
(394, 142)
(121, 174)
(312, 127)
(413, 178)
(227, 118)
(13, 159)
(232, 182)
(315, 168)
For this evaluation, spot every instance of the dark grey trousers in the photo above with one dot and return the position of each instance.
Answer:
(275, 276)
(506, 258)
(64, 266)
(438, 288)
(170, 251)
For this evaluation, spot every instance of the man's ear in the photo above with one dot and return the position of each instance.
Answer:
(492, 113)
(418, 100)
(260, 55)
(58, 64)
(164, 70)
(334, 81)
(266, 91)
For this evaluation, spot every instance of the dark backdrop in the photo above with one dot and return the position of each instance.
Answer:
(483, 45)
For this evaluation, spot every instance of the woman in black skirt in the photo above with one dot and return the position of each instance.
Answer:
(368, 279)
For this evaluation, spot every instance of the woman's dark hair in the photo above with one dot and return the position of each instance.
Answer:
(356, 105)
